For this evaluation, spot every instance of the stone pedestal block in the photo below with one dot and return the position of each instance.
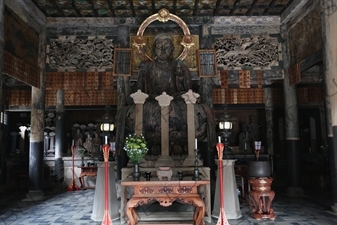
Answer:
(99, 198)
(231, 198)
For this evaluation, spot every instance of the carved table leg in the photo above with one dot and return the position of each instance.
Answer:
(82, 181)
(131, 213)
(271, 196)
(199, 211)
(257, 211)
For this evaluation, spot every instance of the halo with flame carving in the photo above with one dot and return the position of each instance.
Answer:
(163, 16)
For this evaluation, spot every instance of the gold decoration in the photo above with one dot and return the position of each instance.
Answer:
(163, 16)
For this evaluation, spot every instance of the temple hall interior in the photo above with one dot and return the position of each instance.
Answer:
(168, 112)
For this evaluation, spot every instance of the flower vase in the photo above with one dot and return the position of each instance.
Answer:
(136, 172)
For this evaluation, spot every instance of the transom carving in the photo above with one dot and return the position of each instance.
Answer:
(253, 52)
(71, 53)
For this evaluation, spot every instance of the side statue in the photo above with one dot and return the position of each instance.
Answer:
(165, 74)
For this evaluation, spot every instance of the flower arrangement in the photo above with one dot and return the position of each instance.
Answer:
(135, 147)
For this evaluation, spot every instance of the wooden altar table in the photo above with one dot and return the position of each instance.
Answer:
(204, 174)
(90, 171)
(165, 192)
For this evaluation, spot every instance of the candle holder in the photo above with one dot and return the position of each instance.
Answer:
(73, 186)
(180, 175)
(257, 147)
(222, 220)
(196, 167)
(147, 176)
(106, 217)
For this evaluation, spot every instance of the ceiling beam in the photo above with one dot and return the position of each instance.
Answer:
(251, 8)
(110, 8)
(235, 6)
(271, 5)
(93, 8)
(292, 10)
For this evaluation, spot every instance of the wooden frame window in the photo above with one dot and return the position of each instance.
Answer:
(122, 62)
(207, 64)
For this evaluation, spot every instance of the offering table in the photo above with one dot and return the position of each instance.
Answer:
(90, 171)
(165, 192)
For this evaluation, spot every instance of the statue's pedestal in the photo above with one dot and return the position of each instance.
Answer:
(99, 198)
(231, 198)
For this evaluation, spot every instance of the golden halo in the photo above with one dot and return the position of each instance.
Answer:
(163, 16)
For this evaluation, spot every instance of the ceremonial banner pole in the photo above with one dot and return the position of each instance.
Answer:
(222, 217)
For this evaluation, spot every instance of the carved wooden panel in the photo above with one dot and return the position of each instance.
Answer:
(239, 52)
(228, 96)
(107, 80)
(242, 96)
(234, 96)
(85, 98)
(207, 65)
(68, 97)
(259, 95)
(90, 80)
(223, 96)
(244, 78)
(20, 39)
(90, 53)
(57, 80)
(251, 96)
(50, 98)
(303, 38)
(20, 70)
(216, 96)
(122, 62)
(77, 97)
(224, 78)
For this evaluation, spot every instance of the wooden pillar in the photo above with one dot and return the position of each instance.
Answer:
(164, 101)
(36, 153)
(59, 136)
(206, 84)
(122, 91)
(207, 149)
(2, 150)
(329, 34)
(291, 123)
(268, 102)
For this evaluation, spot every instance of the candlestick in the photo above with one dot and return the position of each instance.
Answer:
(219, 139)
(106, 140)
(196, 144)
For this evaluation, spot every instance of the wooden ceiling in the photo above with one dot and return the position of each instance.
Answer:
(145, 8)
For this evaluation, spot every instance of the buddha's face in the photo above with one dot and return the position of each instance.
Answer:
(163, 48)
